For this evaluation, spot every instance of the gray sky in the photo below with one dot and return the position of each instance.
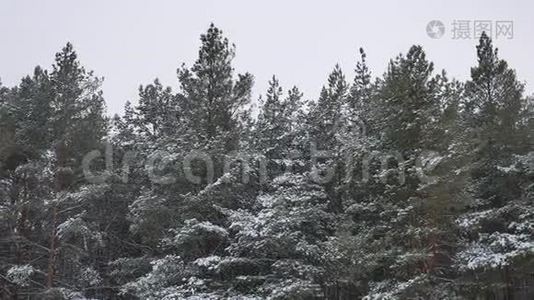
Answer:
(133, 42)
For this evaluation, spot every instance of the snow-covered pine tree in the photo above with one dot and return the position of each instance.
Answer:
(498, 239)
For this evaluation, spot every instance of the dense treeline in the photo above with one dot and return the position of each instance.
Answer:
(408, 185)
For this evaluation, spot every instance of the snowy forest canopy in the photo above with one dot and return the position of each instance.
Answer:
(408, 185)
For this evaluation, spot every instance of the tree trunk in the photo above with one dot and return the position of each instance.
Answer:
(53, 250)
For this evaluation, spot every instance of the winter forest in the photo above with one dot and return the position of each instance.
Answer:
(402, 185)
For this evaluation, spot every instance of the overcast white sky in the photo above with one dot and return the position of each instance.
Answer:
(132, 42)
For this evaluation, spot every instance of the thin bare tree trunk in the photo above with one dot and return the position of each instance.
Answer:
(53, 251)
